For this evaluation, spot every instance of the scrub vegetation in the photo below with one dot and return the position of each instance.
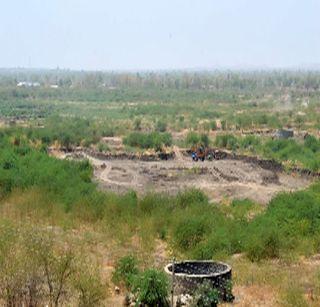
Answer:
(60, 233)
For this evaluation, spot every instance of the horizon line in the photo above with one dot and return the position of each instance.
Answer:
(311, 68)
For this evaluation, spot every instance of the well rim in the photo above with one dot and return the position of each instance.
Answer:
(225, 271)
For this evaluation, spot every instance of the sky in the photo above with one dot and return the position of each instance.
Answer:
(159, 34)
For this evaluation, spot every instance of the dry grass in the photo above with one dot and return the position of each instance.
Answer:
(291, 281)
(276, 283)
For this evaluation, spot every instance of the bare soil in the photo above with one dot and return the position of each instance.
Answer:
(220, 179)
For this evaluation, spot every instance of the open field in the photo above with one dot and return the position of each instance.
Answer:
(221, 179)
(99, 169)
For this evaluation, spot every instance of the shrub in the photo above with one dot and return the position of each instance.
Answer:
(264, 245)
(312, 143)
(161, 126)
(250, 142)
(148, 140)
(125, 271)
(226, 141)
(103, 147)
(240, 208)
(189, 232)
(192, 139)
(137, 124)
(223, 124)
(89, 286)
(205, 296)
(204, 140)
(217, 244)
(213, 125)
(151, 288)
(108, 131)
(191, 196)
(69, 181)
(36, 268)
(229, 297)
(151, 202)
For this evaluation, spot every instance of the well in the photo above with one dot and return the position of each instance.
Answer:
(188, 275)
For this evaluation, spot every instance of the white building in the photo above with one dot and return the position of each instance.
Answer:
(28, 84)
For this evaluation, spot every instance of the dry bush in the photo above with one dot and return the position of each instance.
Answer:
(36, 269)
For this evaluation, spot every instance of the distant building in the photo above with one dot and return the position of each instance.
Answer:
(28, 84)
(54, 86)
(284, 134)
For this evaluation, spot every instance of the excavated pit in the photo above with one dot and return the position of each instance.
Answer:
(188, 275)
(231, 177)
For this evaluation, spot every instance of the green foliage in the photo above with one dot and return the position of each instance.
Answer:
(288, 220)
(151, 288)
(204, 139)
(229, 297)
(213, 125)
(188, 221)
(148, 140)
(66, 132)
(206, 296)
(125, 272)
(263, 245)
(103, 147)
(312, 143)
(192, 139)
(189, 232)
(161, 126)
(204, 231)
(239, 99)
(291, 150)
(227, 141)
(137, 124)
(68, 182)
(250, 142)
(223, 124)
(306, 154)
(191, 196)
(103, 104)
(149, 203)
(240, 208)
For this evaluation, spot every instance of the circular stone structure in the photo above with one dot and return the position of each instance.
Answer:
(189, 274)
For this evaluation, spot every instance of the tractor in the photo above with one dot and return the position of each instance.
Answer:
(201, 153)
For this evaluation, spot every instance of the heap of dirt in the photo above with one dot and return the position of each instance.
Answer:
(130, 155)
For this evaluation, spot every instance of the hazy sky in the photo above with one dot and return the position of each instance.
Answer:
(159, 34)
